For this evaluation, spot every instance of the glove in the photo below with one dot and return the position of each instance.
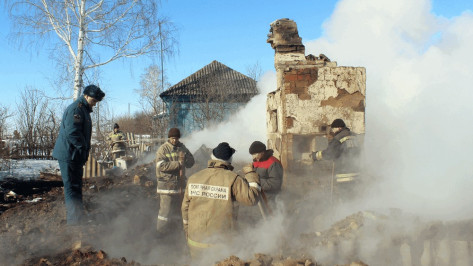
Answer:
(248, 168)
(313, 156)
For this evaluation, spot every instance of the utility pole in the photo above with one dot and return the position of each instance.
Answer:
(155, 126)
(161, 57)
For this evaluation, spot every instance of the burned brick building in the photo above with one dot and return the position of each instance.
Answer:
(311, 92)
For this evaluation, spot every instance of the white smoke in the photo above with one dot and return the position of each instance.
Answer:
(418, 107)
(418, 111)
(244, 127)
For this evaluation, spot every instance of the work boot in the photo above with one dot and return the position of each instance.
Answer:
(75, 233)
(87, 219)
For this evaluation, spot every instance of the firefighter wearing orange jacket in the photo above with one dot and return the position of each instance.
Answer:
(208, 206)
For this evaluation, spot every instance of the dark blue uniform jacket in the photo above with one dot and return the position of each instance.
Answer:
(73, 141)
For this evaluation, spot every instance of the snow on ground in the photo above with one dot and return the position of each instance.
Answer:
(26, 169)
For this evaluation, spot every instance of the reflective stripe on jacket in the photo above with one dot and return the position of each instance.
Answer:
(344, 150)
(115, 137)
(167, 167)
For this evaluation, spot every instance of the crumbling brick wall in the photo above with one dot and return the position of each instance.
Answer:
(311, 92)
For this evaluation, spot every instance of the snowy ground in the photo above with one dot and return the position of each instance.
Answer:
(26, 169)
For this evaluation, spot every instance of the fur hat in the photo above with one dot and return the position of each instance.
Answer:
(257, 147)
(174, 133)
(223, 151)
(94, 92)
(337, 123)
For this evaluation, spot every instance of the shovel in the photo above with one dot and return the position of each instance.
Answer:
(265, 208)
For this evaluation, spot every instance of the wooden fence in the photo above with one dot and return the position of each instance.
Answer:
(21, 151)
(136, 146)
(92, 168)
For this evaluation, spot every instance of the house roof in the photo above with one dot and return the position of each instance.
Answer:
(214, 80)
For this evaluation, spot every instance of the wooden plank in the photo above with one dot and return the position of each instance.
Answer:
(93, 166)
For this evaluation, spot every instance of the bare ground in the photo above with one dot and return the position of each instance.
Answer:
(122, 210)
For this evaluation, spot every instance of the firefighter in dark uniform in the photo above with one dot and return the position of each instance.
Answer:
(269, 170)
(343, 150)
(72, 149)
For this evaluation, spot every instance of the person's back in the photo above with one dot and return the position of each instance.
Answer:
(348, 161)
(208, 205)
(343, 150)
(212, 190)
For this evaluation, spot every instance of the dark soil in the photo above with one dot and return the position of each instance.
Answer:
(122, 211)
(121, 230)
(35, 233)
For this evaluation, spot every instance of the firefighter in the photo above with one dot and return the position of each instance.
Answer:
(72, 150)
(117, 141)
(343, 150)
(208, 206)
(171, 160)
(269, 169)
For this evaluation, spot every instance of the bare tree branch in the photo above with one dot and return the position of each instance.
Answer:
(152, 105)
(112, 29)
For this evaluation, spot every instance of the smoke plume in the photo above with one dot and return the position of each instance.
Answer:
(244, 127)
(417, 139)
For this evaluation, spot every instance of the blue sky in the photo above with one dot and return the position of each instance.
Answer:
(232, 32)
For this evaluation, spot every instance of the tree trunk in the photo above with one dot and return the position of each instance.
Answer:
(78, 68)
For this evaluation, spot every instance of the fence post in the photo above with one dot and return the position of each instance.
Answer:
(87, 167)
(93, 167)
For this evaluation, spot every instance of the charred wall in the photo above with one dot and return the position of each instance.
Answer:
(311, 92)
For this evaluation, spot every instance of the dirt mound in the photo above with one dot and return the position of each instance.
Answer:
(265, 260)
(121, 208)
(84, 256)
(34, 228)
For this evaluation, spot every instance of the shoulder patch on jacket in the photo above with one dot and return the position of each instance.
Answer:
(77, 118)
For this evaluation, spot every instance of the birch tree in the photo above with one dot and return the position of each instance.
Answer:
(4, 115)
(153, 83)
(94, 32)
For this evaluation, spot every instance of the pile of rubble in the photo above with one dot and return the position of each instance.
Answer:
(85, 256)
(123, 210)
